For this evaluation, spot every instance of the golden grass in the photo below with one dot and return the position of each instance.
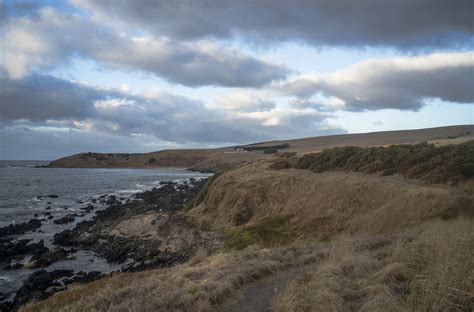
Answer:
(268, 232)
(395, 245)
(326, 204)
(425, 269)
(196, 286)
(429, 272)
(443, 262)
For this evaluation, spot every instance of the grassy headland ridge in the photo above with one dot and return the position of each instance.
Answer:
(196, 159)
(356, 229)
(227, 157)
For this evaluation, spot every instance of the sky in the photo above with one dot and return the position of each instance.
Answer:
(139, 76)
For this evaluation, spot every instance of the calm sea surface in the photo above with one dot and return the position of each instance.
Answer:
(22, 186)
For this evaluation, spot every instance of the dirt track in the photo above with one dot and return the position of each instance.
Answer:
(260, 295)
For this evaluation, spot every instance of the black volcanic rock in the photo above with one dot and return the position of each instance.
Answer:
(12, 249)
(165, 201)
(20, 228)
(64, 220)
(43, 259)
(83, 277)
(111, 200)
(88, 208)
(37, 284)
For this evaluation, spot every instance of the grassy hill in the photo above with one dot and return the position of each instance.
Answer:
(222, 158)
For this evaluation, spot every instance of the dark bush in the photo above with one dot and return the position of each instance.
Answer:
(250, 148)
(270, 150)
(445, 164)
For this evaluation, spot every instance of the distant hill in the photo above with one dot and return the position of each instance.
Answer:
(219, 158)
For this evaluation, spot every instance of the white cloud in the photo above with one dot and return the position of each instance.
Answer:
(245, 101)
(52, 37)
(402, 83)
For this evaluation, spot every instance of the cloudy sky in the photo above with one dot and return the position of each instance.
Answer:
(138, 76)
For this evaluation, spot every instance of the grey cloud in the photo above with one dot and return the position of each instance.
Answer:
(191, 66)
(21, 142)
(416, 24)
(39, 98)
(44, 101)
(401, 83)
(52, 37)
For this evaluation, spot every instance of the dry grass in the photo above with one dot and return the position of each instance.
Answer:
(200, 159)
(268, 232)
(376, 138)
(199, 285)
(222, 158)
(425, 269)
(431, 272)
(326, 204)
(395, 245)
(443, 262)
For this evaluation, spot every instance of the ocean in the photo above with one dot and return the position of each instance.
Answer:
(28, 192)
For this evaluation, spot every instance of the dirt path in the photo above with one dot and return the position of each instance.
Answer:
(260, 295)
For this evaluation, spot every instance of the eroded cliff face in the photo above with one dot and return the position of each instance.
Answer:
(328, 203)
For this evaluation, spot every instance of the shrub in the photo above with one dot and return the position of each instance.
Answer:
(270, 150)
(250, 148)
(445, 164)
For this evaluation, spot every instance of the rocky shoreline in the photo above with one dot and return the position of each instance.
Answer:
(149, 230)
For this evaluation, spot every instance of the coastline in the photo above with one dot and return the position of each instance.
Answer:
(269, 220)
(42, 277)
(259, 217)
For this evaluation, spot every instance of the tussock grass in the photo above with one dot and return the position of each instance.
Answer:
(196, 286)
(443, 262)
(326, 204)
(444, 164)
(429, 272)
(204, 190)
(268, 232)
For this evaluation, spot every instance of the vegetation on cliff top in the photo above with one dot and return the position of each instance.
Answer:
(269, 232)
(445, 164)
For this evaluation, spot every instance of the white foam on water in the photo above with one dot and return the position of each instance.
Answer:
(124, 192)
